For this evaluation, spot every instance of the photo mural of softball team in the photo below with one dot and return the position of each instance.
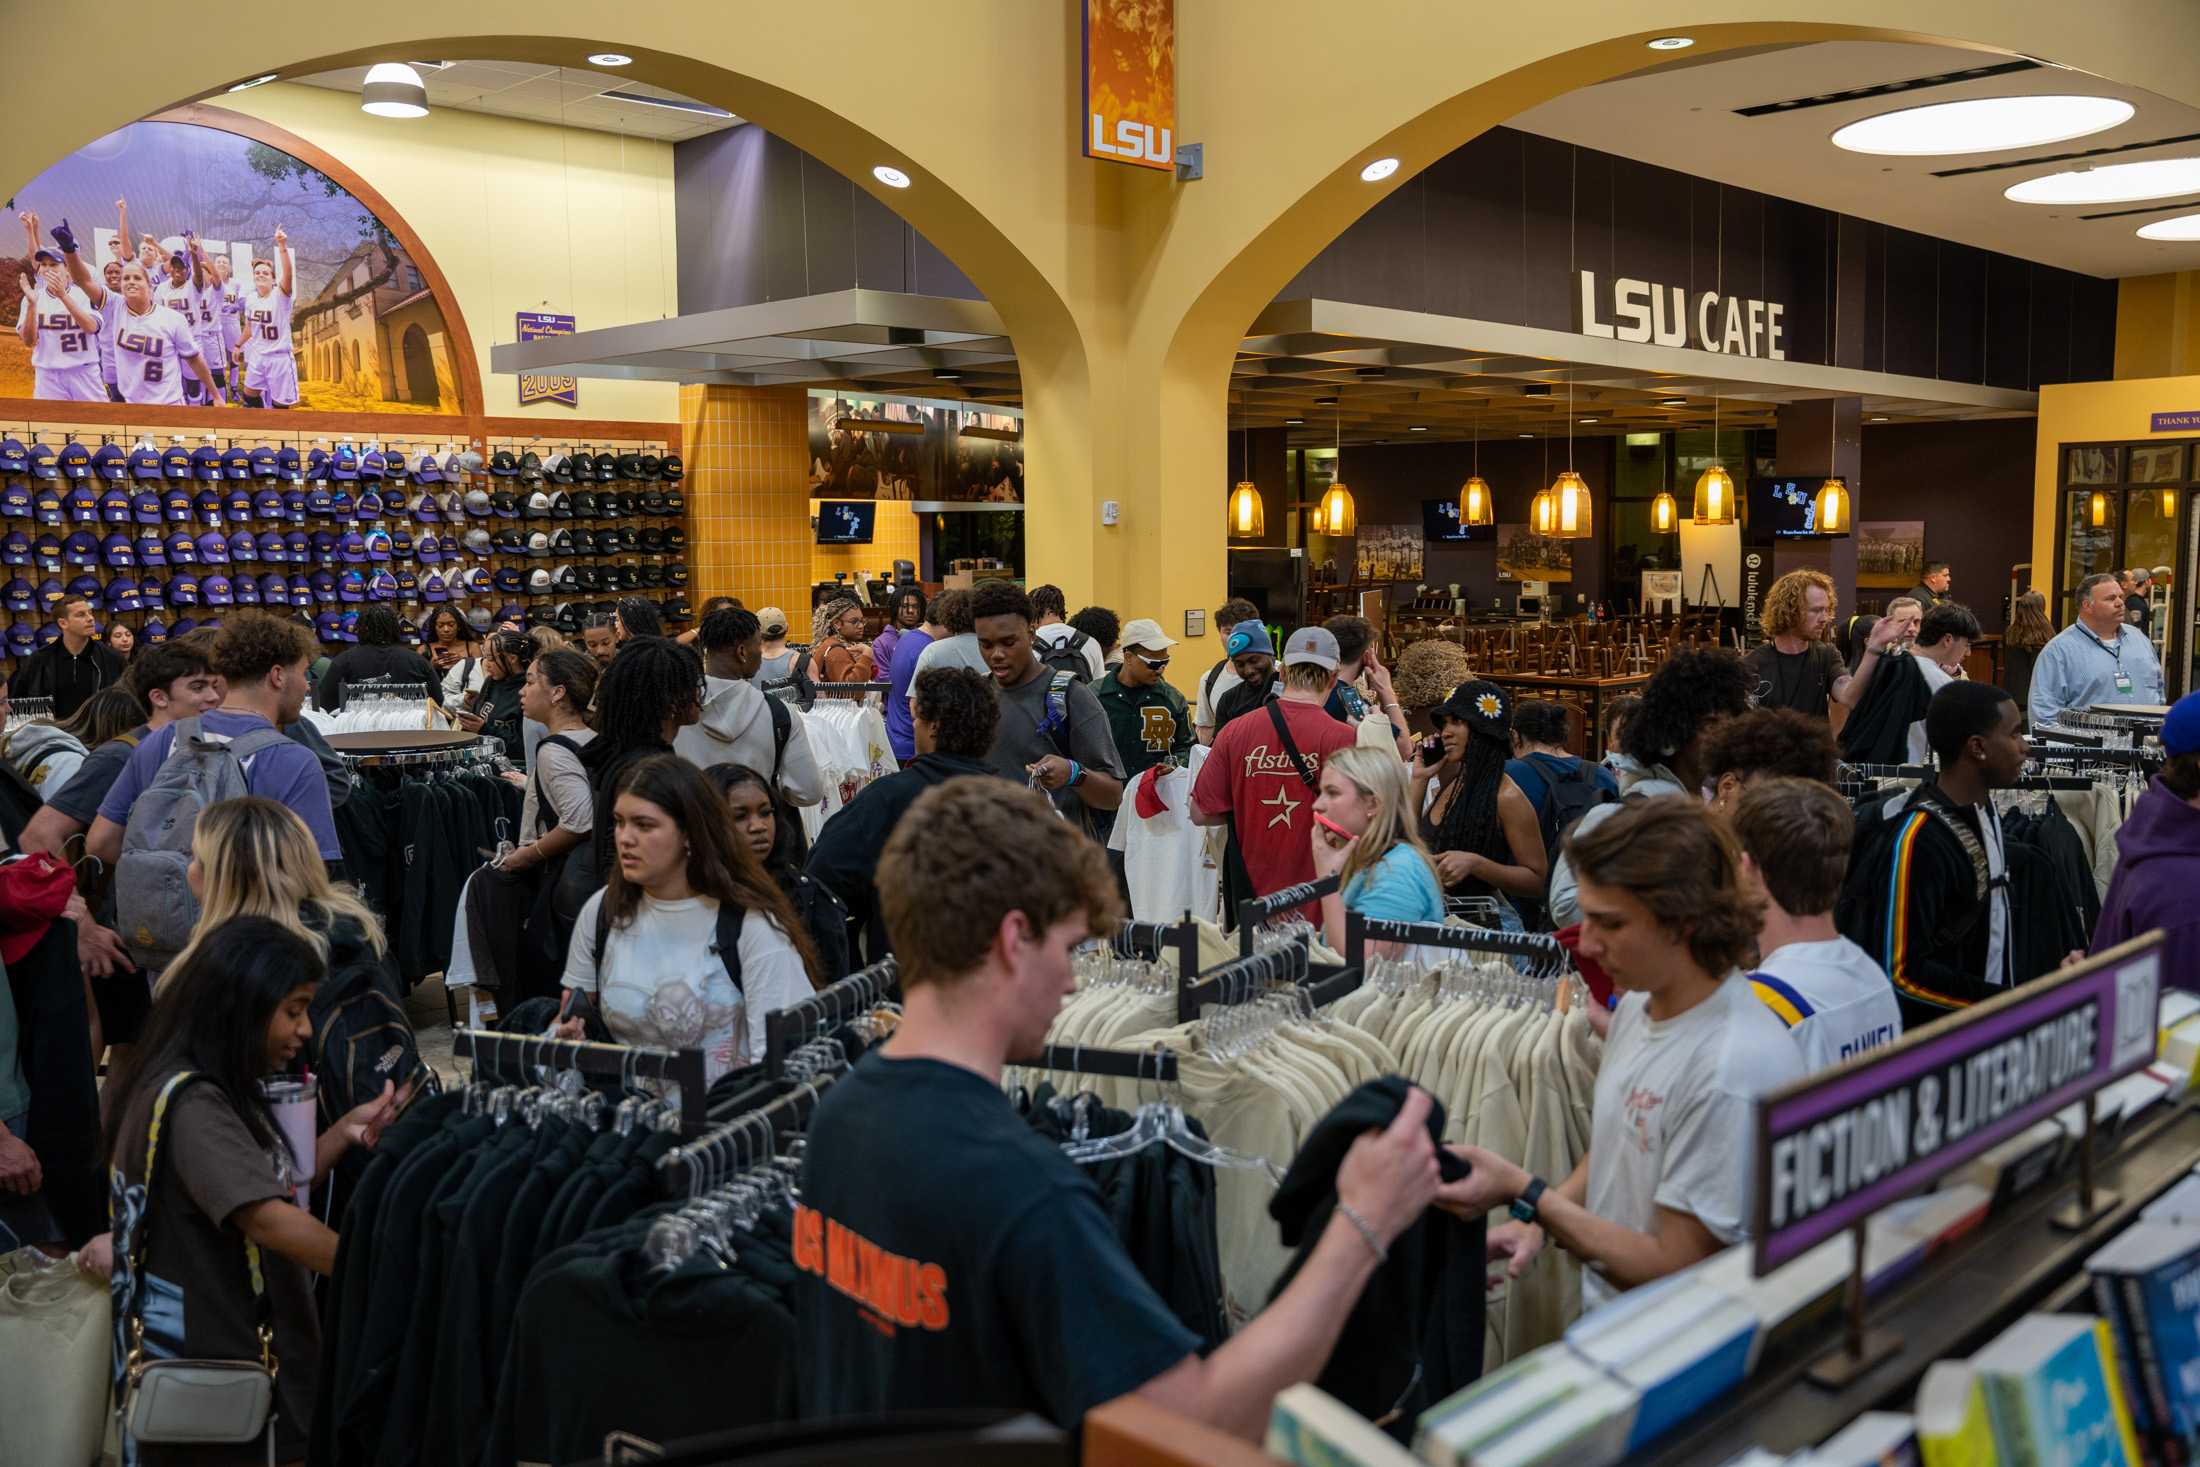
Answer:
(153, 326)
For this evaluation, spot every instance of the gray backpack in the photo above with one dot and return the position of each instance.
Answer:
(154, 908)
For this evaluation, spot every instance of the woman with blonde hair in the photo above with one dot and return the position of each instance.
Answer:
(252, 857)
(1364, 836)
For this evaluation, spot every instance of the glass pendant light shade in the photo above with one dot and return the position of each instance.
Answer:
(2169, 504)
(1475, 507)
(1663, 513)
(2097, 512)
(1248, 516)
(1715, 496)
(1832, 514)
(1542, 513)
(1570, 511)
(1337, 515)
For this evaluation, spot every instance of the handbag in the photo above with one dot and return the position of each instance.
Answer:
(194, 1402)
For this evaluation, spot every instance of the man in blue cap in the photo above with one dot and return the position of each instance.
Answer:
(1253, 658)
(2158, 856)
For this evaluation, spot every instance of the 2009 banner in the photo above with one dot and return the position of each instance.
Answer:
(1839, 1146)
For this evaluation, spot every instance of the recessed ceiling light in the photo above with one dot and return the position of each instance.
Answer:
(1592, 420)
(1879, 417)
(258, 81)
(1523, 435)
(1982, 125)
(946, 374)
(610, 58)
(1417, 428)
(2184, 226)
(1673, 402)
(1671, 43)
(1325, 402)
(2118, 183)
(891, 177)
(1293, 422)
(393, 89)
(1378, 170)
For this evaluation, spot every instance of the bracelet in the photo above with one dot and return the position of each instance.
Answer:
(1367, 1233)
(1076, 775)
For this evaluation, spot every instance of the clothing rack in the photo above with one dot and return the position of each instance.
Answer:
(787, 1115)
(787, 1029)
(857, 690)
(682, 1067)
(1252, 913)
(1888, 771)
(459, 754)
(1246, 976)
(1135, 939)
(1322, 992)
(1121, 1064)
(1359, 931)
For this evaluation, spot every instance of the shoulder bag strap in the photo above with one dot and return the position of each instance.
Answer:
(1290, 745)
(542, 796)
(254, 1272)
(782, 730)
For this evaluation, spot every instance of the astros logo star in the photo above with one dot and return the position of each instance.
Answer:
(1284, 806)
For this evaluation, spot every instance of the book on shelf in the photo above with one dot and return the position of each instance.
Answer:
(1874, 1439)
(2055, 1396)
(1953, 1429)
(2146, 1283)
(2180, 1204)
(1679, 1343)
(2018, 1164)
(1469, 1425)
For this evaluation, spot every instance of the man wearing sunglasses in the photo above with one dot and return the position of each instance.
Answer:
(1149, 719)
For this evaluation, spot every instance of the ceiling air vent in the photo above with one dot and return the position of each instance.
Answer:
(1888, 89)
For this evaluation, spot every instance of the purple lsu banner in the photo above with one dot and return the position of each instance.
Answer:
(534, 326)
(1837, 1147)
(2178, 422)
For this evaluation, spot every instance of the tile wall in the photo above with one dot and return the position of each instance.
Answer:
(748, 495)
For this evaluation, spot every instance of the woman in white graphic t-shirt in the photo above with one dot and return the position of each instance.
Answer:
(659, 978)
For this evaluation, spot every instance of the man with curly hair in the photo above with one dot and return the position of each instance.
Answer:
(1660, 753)
(1796, 666)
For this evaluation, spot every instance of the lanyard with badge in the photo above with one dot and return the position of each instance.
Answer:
(2123, 679)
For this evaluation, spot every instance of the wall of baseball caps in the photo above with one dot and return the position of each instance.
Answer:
(167, 536)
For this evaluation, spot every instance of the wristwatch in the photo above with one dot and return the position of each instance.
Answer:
(1523, 1206)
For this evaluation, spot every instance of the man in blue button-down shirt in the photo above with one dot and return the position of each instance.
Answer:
(2097, 659)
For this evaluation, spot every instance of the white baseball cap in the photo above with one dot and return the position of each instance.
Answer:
(1317, 645)
(1145, 632)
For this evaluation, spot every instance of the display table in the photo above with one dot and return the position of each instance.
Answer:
(2016, 1261)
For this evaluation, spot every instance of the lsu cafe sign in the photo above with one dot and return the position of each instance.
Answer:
(1669, 315)
(1130, 82)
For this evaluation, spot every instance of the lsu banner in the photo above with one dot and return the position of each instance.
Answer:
(534, 326)
(1130, 82)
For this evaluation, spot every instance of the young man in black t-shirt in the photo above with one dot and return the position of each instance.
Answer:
(1796, 667)
(949, 1257)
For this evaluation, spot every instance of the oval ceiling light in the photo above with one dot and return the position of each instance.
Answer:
(2183, 227)
(891, 177)
(1378, 170)
(1671, 43)
(393, 89)
(1982, 125)
(258, 81)
(2118, 183)
(610, 58)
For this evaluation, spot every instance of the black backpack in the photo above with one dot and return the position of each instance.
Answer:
(1068, 655)
(1568, 796)
(826, 917)
(1861, 912)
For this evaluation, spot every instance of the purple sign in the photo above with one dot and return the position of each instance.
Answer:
(2183, 422)
(1836, 1148)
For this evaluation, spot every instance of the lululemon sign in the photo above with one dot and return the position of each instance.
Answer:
(1626, 309)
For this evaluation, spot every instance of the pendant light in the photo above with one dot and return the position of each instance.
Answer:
(1715, 486)
(1542, 516)
(1569, 492)
(1248, 515)
(2169, 504)
(1663, 513)
(2098, 515)
(393, 89)
(1475, 507)
(1337, 516)
(1831, 514)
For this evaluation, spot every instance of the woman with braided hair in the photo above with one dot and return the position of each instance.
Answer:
(1474, 819)
(651, 690)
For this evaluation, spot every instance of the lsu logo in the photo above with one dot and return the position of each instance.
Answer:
(1140, 142)
(144, 343)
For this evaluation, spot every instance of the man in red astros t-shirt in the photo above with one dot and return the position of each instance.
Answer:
(1261, 774)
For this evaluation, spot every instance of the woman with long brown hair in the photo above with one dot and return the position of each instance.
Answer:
(2029, 630)
(646, 948)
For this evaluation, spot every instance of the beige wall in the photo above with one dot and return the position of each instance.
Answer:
(521, 217)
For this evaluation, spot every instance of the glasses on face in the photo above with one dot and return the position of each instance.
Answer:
(1154, 663)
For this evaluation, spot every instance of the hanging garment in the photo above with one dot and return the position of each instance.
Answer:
(1168, 862)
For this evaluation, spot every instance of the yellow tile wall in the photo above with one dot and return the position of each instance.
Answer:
(893, 537)
(748, 495)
